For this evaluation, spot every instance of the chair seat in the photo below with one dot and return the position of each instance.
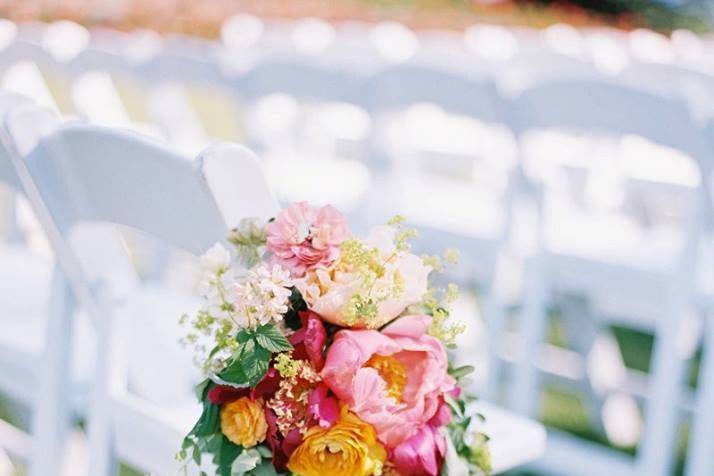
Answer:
(617, 265)
(161, 428)
(613, 239)
(160, 367)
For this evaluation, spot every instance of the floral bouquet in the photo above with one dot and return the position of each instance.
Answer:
(327, 356)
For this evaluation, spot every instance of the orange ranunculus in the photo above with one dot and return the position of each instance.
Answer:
(243, 422)
(350, 446)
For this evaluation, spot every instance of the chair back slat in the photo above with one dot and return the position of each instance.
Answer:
(608, 107)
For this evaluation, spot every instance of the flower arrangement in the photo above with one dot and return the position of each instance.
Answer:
(328, 355)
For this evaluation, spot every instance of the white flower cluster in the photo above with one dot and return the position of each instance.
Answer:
(217, 283)
(233, 301)
(263, 296)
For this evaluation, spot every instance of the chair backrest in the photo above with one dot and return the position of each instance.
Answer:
(456, 92)
(92, 174)
(609, 107)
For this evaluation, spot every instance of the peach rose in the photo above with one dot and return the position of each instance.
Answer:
(328, 291)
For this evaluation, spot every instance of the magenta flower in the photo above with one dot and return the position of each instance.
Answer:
(394, 380)
(302, 238)
(423, 452)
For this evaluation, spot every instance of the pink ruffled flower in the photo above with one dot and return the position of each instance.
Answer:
(309, 341)
(302, 238)
(423, 453)
(395, 379)
(323, 407)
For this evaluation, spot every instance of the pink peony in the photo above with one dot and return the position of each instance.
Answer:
(423, 452)
(302, 238)
(395, 379)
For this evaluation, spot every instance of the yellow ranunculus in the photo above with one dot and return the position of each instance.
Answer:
(349, 447)
(243, 422)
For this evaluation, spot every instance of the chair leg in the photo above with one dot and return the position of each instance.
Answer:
(534, 320)
(494, 317)
(657, 448)
(51, 412)
(102, 457)
(700, 461)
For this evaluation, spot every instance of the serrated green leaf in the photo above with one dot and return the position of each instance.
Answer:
(272, 339)
(243, 336)
(255, 361)
(234, 374)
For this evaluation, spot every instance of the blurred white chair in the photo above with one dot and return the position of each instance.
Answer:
(142, 402)
(618, 267)
(46, 360)
(447, 165)
(700, 459)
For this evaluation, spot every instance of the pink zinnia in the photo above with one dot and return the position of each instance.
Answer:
(302, 238)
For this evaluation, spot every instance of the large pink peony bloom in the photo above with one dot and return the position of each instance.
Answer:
(302, 238)
(395, 379)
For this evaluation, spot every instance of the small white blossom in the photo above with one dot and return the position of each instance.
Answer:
(216, 260)
(263, 296)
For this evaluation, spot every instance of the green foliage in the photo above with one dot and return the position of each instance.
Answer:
(252, 358)
(249, 239)
(470, 446)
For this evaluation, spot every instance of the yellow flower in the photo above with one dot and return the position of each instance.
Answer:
(349, 447)
(243, 422)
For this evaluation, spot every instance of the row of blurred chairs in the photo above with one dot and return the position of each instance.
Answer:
(443, 128)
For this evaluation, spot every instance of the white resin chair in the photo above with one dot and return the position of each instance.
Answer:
(35, 342)
(82, 175)
(644, 276)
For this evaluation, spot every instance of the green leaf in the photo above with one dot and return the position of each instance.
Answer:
(243, 336)
(245, 462)
(224, 453)
(264, 451)
(207, 423)
(255, 361)
(265, 468)
(461, 372)
(234, 374)
(272, 339)
(202, 389)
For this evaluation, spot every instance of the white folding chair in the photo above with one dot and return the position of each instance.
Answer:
(82, 175)
(617, 277)
(700, 459)
(35, 342)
